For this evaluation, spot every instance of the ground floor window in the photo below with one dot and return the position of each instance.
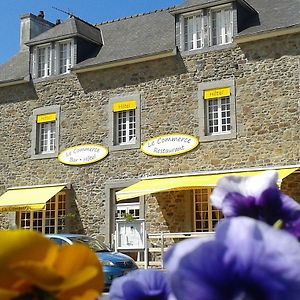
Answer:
(50, 220)
(205, 216)
(128, 208)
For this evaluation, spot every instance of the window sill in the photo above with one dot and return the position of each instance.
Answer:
(208, 49)
(44, 156)
(50, 78)
(217, 137)
(124, 147)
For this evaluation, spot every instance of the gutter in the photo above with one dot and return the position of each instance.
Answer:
(267, 34)
(14, 81)
(123, 62)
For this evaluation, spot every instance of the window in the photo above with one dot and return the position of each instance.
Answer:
(44, 58)
(193, 32)
(45, 132)
(125, 127)
(125, 122)
(132, 208)
(205, 216)
(205, 28)
(64, 57)
(50, 220)
(53, 59)
(218, 116)
(217, 110)
(221, 26)
(46, 137)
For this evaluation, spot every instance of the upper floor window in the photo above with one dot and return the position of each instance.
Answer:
(53, 59)
(193, 27)
(125, 127)
(218, 115)
(44, 58)
(45, 132)
(125, 122)
(64, 57)
(217, 110)
(207, 27)
(221, 26)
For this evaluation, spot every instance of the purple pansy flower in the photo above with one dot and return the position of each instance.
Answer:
(257, 197)
(247, 260)
(140, 285)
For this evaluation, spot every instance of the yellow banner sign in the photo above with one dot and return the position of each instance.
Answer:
(46, 118)
(216, 93)
(126, 105)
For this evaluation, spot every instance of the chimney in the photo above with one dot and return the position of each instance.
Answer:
(31, 26)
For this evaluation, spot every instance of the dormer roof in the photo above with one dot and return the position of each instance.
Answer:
(73, 27)
(134, 37)
(190, 5)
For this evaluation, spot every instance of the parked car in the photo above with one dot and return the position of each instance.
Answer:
(114, 264)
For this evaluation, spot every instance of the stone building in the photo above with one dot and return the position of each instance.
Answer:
(221, 72)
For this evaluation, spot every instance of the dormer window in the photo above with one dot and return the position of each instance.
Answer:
(53, 59)
(44, 58)
(221, 26)
(193, 32)
(206, 27)
(65, 57)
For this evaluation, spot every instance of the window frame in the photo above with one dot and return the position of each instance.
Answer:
(209, 211)
(35, 134)
(183, 42)
(206, 13)
(49, 66)
(40, 216)
(204, 136)
(221, 9)
(70, 59)
(113, 145)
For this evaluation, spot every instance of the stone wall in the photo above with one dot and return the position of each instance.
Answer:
(266, 75)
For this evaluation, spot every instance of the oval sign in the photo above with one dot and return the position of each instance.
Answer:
(82, 154)
(169, 144)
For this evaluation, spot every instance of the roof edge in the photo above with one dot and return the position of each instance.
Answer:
(205, 5)
(240, 39)
(122, 62)
(14, 81)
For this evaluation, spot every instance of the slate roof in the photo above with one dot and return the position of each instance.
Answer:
(274, 14)
(72, 27)
(135, 36)
(17, 68)
(147, 34)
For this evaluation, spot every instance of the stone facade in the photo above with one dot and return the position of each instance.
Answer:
(266, 75)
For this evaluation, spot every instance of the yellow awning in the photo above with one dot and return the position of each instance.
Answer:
(29, 198)
(150, 186)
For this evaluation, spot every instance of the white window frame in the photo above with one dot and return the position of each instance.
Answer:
(130, 125)
(127, 208)
(186, 39)
(220, 112)
(35, 150)
(130, 142)
(69, 59)
(224, 25)
(47, 64)
(46, 220)
(46, 139)
(204, 134)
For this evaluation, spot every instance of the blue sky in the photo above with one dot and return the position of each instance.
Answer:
(93, 11)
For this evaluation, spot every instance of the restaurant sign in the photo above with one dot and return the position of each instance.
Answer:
(169, 144)
(82, 154)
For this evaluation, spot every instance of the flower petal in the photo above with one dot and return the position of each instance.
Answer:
(22, 245)
(140, 284)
